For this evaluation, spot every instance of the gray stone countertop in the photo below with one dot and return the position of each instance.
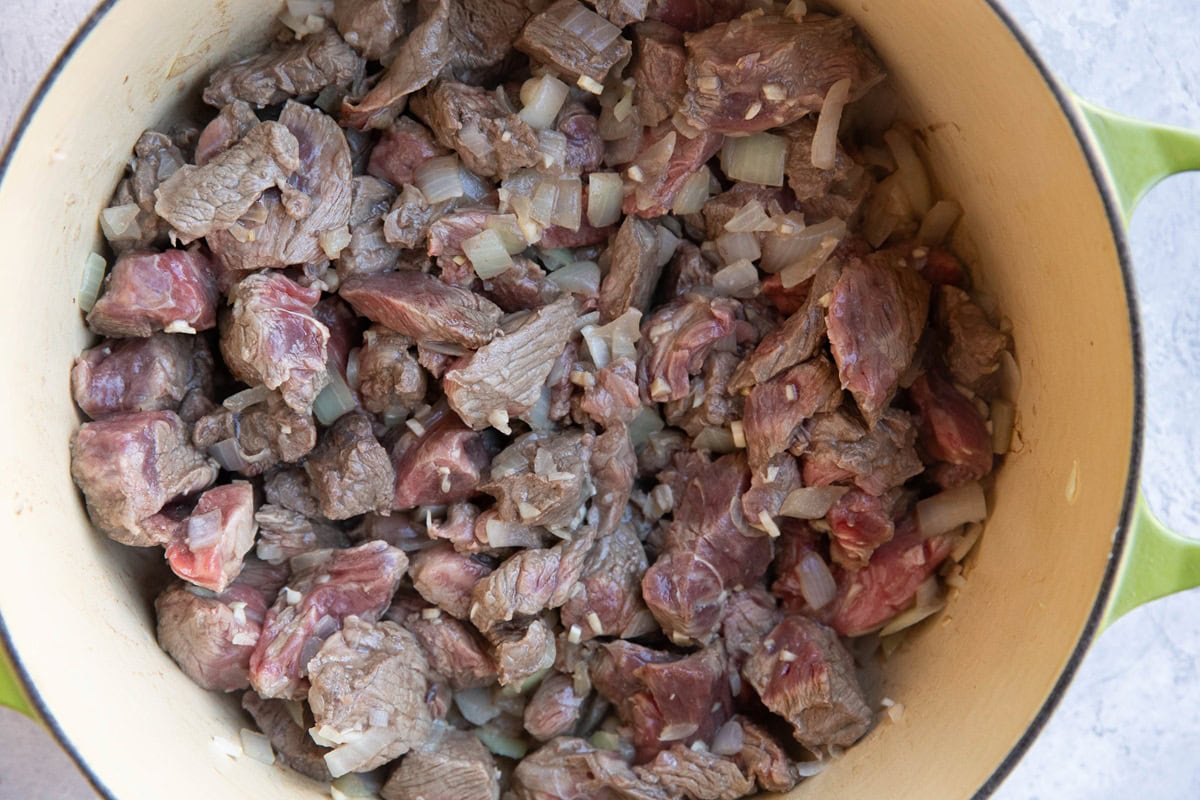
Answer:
(1129, 726)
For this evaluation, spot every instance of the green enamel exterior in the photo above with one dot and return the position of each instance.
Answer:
(1158, 562)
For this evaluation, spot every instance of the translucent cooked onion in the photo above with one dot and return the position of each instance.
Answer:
(91, 281)
(257, 746)
(605, 740)
(119, 223)
(334, 400)
(617, 339)
(750, 218)
(568, 205)
(544, 202)
(755, 159)
(644, 425)
(605, 193)
(678, 731)
(824, 143)
(510, 534)
(911, 171)
(811, 502)
(506, 226)
(1003, 416)
(816, 581)
(715, 440)
(499, 743)
(951, 509)
(733, 247)
(918, 613)
(582, 277)
(693, 194)
(937, 224)
(487, 253)
(362, 748)
(739, 279)
(553, 147)
(229, 454)
(821, 239)
(966, 543)
(668, 243)
(542, 99)
(439, 179)
(356, 784)
(476, 705)
(475, 187)
(728, 739)
(784, 245)
(240, 401)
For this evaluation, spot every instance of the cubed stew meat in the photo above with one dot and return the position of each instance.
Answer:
(538, 400)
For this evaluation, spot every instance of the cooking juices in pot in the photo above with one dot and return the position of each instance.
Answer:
(547, 410)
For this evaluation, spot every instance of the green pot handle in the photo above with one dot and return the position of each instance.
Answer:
(1157, 561)
(12, 692)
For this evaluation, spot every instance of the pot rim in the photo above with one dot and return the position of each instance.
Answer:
(1102, 178)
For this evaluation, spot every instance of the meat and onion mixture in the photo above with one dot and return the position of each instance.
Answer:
(541, 400)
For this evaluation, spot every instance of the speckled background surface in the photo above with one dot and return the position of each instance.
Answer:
(1130, 725)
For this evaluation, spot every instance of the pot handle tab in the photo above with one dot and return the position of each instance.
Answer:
(1158, 562)
(12, 691)
(1139, 154)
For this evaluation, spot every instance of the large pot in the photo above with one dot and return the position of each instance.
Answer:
(1046, 183)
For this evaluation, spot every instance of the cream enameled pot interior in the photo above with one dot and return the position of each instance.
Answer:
(80, 617)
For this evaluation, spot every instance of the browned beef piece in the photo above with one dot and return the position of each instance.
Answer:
(156, 157)
(585, 148)
(609, 602)
(614, 467)
(804, 674)
(284, 534)
(659, 64)
(822, 193)
(443, 463)
(482, 33)
(708, 403)
(370, 26)
(797, 541)
(571, 768)
(612, 398)
(687, 270)
(554, 708)
(370, 695)
(130, 466)
(634, 269)
(522, 651)
(175, 291)
(776, 411)
(696, 774)
(288, 227)
(453, 647)
(676, 340)
(398, 530)
(584, 236)
(305, 67)
(421, 306)
(973, 344)
(842, 449)
(763, 759)
(694, 15)
(491, 533)
(552, 37)
(263, 435)
(768, 489)
(721, 208)
(796, 65)
(224, 131)
(446, 235)
(389, 377)
(622, 12)
(941, 268)
(343, 325)
(446, 577)
(404, 146)
(521, 286)
(952, 431)
(349, 470)
(659, 450)
(272, 338)
(289, 488)
(407, 224)
(459, 767)
(207, 549)
(859, 523)
(482, 126)
(504, 378)
(876, 317)
(197, 201)
(368, 252)
(458, 527)
(289, 738)
(543, 479)
(332, 585)
(666, 159)
(530, 582)
(748, 617)
(705, 553)
(153, 374)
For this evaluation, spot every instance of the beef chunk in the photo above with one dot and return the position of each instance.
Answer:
(952, 431)
(349, 471)
(332, 585)
(521, 286)
(542, 479)
(763, 759)
(796, 64)
(614, 467)
(708, 403)
(521, 652)
(609, 602)
(530, 582)
(370, 26)
(407, 224)
(271, 337)
(368, 251)
(453, 647)
(859, 523)
(305, 67)
(289, 738)
(747, 619)
(658, 71)
(612, 398)
(694, 15)
(173, 291)
(554, 707)
(665, 160)
(822, 193)
(285, 534)
(389, 377)
(769, 487)
(504, 378)
(775, 411)
(369, 694)
(446, 235)
(156, 157)
(208, 549)
(153, 374)
(804, 674)
(840, 449)
(197, 201)
(659, 450)
(458, 527)
(446, 578)
(289, 488)
(722, 207)
(224, 131)
(458, 768)
(634, 269)
(404, 146)
(876, 316)
(263, 435)
(572, 768)
(439, 461)
(421, 306)
(130, 466)
(585, 147)
(482, 33)
(676, 340)
(481, 126)
(552, 37)
(687, 270)
(973, 344)
(697, 774)
(399, 530)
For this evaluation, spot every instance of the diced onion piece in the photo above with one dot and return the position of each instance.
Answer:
(501, 744)
(506, 226)
(966, 543)
(811, 502)
(240, 401)
(911, 172)
(356, 784)
(693, 193)
(227, 747)
(1003, 416)
(476, 705)
(553, 147)
(544, 202)
(487, 253)
(728, 739)
(617, 339)
(823, 238)
(685, 127)
(739, 279)
(716, 440)
(936, 225)
(1010, 377)
(646, 423)
(363, 747)
(755, 159)
(605, 193)
(678, 731)
(605, 740)
(257, 746)
(119, 223)
(796, 10)
(568, 207)
(951, 509)
(229, 454)
(824, 143)
(509, 534)
(750, 218)
(912, 616)
(734, 247)
(542, 98)
(439, 179)
(93, 278)
(582, 277)
(334, 400)
(816, 581)
(784, 245)
(668, 243)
